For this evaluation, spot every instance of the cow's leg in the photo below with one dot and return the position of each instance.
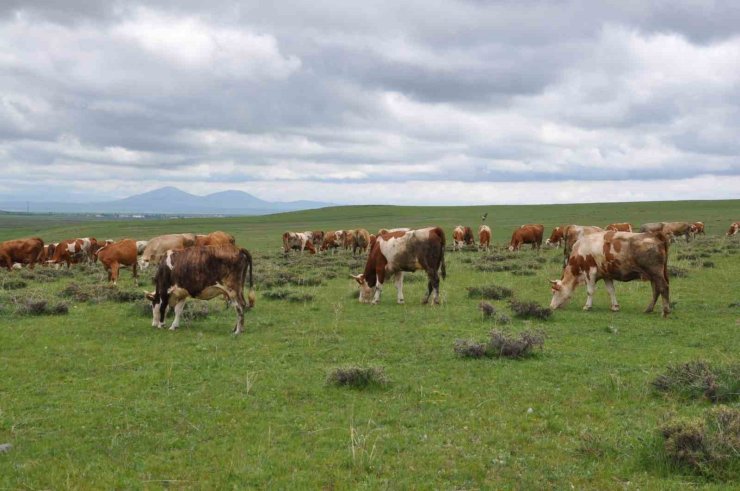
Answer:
(114, 272)
(663, 289)
(398, 279)
(157, 315)
(612, 294)
(134, 269)
(651, 305)
(590, 288)
(179, 306)
(380, 277)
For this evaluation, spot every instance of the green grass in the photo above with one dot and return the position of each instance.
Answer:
(99, 399)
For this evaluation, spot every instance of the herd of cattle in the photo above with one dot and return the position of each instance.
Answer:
(209, 266)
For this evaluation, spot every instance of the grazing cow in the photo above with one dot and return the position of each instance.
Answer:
(619, 227)
(651, 227)
(349, 239)
(360, 241)
(317, 238)
(333, 240)
(620, 256)
(114, 256)
(556, 237)
(140, 246)
(674, 229)
(21, 251)
(298, 241)
(461, 237)
(48, 252)
(734, 229)
(157, 247)
(396, 252)
(697, 228)
(203, 273)
(527, 234)
(214, 239)
(484, 237)
(73, 251)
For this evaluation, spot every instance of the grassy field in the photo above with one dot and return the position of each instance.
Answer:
(97, 398)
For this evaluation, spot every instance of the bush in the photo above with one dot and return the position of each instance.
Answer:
(13, 284)
(467, 348)
(40, 307)
(676, 272)
(529, 309)
(708, 446)
(502, 344)
(700, 379)
(357, 377)
(489, 292)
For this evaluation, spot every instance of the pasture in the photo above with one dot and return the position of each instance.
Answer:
(97, 398)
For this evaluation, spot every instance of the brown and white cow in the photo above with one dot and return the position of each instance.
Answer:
(387, 230)
(333, 240)
(360, 241)
(73, 251)
(203, 273)
(557, 236)
(619, 227)
(317, 238)
(572, 233)
(734, 229)
(462, 236)
(484, 237)
(157, 247)
(214, 239)
(697, 228)
(297, 241)
(527, 234)
(116, 255)
(674, 229)
(620, 256)
(397, 252)
(21, 251)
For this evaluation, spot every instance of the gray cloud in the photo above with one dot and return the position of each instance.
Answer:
(240, 94)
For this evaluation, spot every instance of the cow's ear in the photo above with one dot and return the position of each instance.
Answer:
(149, 295)
(360, 278)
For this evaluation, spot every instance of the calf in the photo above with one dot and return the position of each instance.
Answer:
(396, 252)
(157, 247)
(21, 251)
(610, 256)
(527, 234)
(203, 273)
(297, 241)
(734, 229)
(113, 256)
(360, 241)
(484, 237)
(619, 227)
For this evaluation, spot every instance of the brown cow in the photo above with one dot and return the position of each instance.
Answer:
(651, 227)
(73, 251)
(317, 238)
(214, 239)
(734, 229)
(113, 256)
(49, 252)
(697, 228)
(527, 234)
(462, 236)
(333, 240)
(484, 237)
(674, 229)
(556, 237)
(203, 273)
(349, 239)
(22, 251)
(620, 256)
(619, 227)
(297, 241)
(396, 252)
(360, 241)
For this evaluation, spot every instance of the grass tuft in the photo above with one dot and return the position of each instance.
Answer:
(528, 310)
(700, 379)
(40, 307)
(489, 292)
(357, 377)
(502, 344)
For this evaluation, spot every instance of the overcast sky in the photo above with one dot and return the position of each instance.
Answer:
(406, 102)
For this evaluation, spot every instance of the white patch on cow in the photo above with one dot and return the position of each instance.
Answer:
(168, 261)
(71, 247)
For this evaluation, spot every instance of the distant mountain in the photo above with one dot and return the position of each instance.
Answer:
(171, 201)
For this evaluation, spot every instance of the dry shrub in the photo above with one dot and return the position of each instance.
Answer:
(123, 296)
(700, 379)
(76, 292)
(357, 377)
(487, 309)
(502, 344)
(676, 272)
(528, 310)
(39, 307)
(708, 446)
(489, 292)
(288, 295)
(468, 348)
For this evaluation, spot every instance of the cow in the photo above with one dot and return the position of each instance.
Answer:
(114, 256)
(556, 237)
(48, 252)
(697, 228)
(619, 227)
(214, 239)
(674, 229)
(651, 227)
(317, 238)
(333, 240)
(620, 256)
(484, 237)
(349, 239)
(22, 251)
(360, 241)
(157, 247)
(397, 252)
(204, 273)
(73, 251)
(298, 241)
(571, 233)
(462, 236)
(140, 246)
(734, 229)
(527, 234)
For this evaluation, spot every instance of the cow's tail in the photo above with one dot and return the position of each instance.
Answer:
(248, 268)
(665, 240)
(443, 267)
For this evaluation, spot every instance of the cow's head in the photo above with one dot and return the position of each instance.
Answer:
(366, 292)
(157, 317)
(561, 293)
(144, 262)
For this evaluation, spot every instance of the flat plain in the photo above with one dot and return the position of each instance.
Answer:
(97, 398)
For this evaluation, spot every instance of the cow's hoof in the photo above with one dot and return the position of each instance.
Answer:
(615, 308)
(401, 302)
(172, 328)
(586, 308)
